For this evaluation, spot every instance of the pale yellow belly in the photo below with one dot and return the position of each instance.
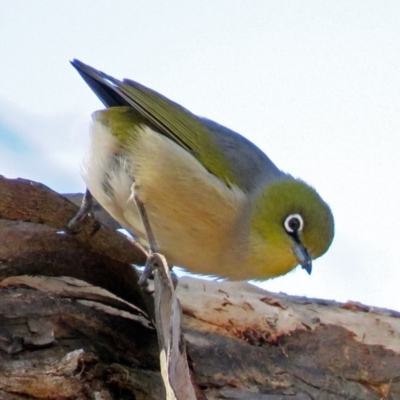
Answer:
(193, 215)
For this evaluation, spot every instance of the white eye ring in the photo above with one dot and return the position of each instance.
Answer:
(294, 223)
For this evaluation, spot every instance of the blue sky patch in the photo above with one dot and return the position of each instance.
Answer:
(12, 140)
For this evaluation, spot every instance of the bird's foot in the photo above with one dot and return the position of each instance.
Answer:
(153, 261)
(86, 209)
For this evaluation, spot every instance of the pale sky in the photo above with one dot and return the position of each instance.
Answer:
(315, 84)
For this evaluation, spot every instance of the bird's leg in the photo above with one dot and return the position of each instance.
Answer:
(153, 257)
(153, 246)
(86, 209)
(146, 223)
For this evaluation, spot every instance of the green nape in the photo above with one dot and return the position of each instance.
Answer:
(121, 121)
(292, 196)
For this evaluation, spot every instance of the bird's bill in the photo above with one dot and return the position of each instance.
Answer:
(303, 257)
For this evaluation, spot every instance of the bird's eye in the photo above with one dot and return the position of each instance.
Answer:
(294, 223)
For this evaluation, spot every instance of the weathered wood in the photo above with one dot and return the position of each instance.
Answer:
(73, 323)
(34, 249)
(168, 317)
(55, 347)
(27, 201)
(253, 340)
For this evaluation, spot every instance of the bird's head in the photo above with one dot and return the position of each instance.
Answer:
(292, 222)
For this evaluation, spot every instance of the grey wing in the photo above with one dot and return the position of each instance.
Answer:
(249, 163)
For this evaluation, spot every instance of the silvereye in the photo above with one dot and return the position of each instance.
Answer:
(216, 204)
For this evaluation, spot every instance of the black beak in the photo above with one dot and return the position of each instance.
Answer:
(303, 256)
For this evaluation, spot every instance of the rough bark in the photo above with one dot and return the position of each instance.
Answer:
(74, 324)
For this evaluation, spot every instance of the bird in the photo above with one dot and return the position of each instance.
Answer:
(216, 204)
